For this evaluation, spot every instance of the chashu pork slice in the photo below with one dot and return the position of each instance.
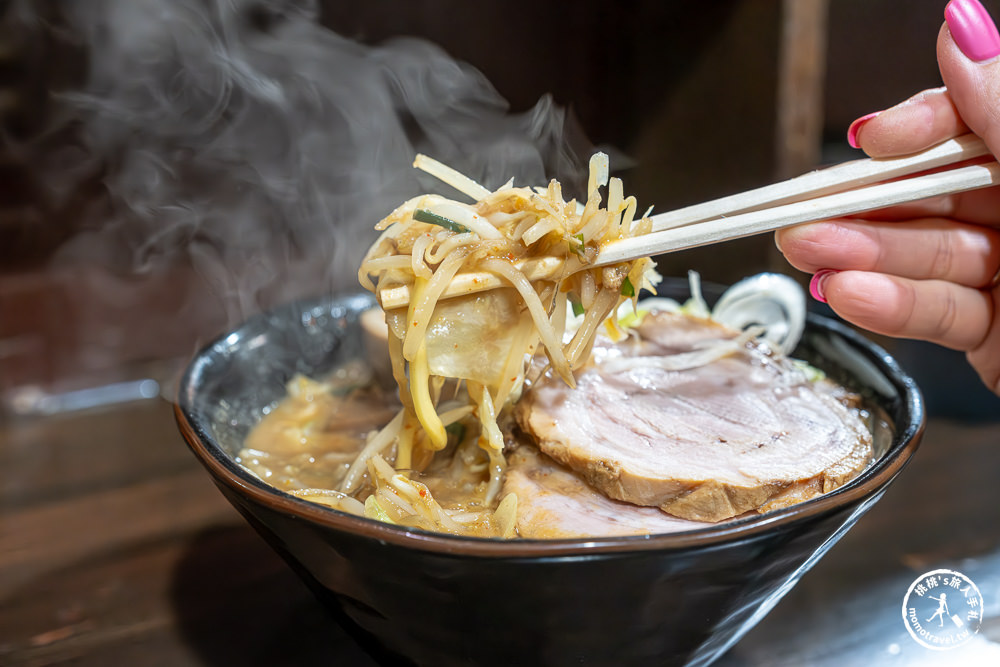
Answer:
(553, 502)
(747, 431)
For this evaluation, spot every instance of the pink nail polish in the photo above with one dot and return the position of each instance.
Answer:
(972, 29)
(852, 131)
(818, 284)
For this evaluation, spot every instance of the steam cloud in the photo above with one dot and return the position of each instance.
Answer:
(250, 141)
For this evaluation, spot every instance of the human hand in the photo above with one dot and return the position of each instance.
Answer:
(928, 270)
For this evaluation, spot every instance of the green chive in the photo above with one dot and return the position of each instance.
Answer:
(580, 248)
(374, 511)
(577, 308)
(627, 288)
(456, 429)
(423, 215)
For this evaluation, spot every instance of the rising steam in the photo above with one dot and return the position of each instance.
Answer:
(260, 147)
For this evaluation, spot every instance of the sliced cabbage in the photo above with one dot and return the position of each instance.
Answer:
(472, 337)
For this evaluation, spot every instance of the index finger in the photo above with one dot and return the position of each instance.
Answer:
(922, 121)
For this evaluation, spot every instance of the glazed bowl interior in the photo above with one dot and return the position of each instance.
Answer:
(366, 569)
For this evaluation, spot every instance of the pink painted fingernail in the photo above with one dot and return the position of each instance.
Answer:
(818, 284)
(852, 131)
(973, 29)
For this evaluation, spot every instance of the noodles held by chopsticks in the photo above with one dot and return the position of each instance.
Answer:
(486, 341)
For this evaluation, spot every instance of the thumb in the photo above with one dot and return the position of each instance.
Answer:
(968, 52)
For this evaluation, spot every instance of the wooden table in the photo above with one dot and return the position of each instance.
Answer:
(116, 549)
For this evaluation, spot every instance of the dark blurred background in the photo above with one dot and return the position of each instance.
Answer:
(692, 99)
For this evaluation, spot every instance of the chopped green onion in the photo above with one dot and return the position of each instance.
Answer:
(456, 429)
(578, 309)
(632, 319)
(423, 215)
(580, 248)
(374, 511)
(812, 373)
(627, 288)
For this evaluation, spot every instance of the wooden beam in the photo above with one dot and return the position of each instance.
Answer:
(802, 69)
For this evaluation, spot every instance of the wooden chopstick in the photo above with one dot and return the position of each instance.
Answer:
(836, 205)
(838, 178)
(856, 187)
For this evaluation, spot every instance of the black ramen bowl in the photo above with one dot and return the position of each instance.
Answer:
(433, 599)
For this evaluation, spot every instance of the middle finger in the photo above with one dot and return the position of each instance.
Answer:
(978, 207)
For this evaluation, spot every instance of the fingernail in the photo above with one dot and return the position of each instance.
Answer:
(973, 29)
(852, 131)
(818, 284)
